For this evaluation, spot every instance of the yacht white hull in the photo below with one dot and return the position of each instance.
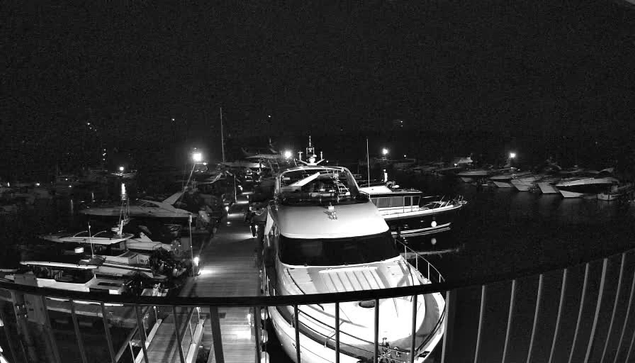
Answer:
(569, 194)
(548, 188)
(502, 184)
(524, 185)
(312, 351)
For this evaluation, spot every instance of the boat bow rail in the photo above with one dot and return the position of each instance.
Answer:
(574, 331)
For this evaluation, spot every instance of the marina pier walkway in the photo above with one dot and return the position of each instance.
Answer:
(228, 267)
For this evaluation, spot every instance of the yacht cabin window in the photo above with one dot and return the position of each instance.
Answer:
(337, 251)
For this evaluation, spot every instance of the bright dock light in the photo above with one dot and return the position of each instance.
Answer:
(512, 155)
(197, 157)
(121, 168)
(384, 151)
(288, 154)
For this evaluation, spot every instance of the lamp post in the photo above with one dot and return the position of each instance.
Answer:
(512, 156)
(197, 158)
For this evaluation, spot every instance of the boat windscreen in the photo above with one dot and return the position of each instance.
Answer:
(337, 251)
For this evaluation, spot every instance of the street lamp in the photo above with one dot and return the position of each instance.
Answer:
(512, 155)
(197, 158)
(384, 152)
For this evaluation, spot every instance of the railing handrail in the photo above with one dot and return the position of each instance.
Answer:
(249, 301)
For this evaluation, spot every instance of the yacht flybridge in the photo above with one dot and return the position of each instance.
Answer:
(323, 235)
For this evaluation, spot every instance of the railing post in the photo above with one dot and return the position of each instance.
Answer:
(258, 329)
(582, 296)
(142, 334)
(296, 320)
(179, 338)
(563, 288)
(9, 335)
(536, 312)
(448, 322)
(337, 332)
(78, 333)
(217, 339)
(49, 330)
(414, 329)
(628, 312)
(376, 333)
(615, 301)
(510, 315)
(481, 316)
(104, 318)
(598, 305)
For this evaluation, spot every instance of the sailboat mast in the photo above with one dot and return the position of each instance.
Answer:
(222, 139)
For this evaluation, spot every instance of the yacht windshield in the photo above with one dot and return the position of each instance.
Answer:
(337, 251)
(309, 186)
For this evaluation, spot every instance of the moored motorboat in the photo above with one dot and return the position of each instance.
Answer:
(105, 236)
(411, 214)
(547, 184)
(504, 180)
(323, 235)
(584, 186)
(471, 175)
(617, 192)
(527, 182)
(144, 208)
(71, 273)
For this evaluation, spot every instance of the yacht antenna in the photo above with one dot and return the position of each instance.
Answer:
(310, 155)
(222, 139)
(367, 164)
(90, 241)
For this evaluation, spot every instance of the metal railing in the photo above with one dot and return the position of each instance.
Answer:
(579, 313)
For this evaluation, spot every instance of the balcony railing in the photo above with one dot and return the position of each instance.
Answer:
(580, 313)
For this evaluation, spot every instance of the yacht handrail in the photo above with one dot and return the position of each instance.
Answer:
(409, 252)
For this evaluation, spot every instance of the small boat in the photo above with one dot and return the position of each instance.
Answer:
(105, 236)
(471, 175)
(144, 208)
(616, 192)
(547, 184)
(411, 214)
(71, 273)
(585, 186)
(504, 180)
(527, 182)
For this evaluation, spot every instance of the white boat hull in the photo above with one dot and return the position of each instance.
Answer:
(548, 188)
(502, 184)
(569, 194)
(312, 351)
(523, 185)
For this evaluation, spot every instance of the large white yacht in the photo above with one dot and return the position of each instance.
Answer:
(323, 235)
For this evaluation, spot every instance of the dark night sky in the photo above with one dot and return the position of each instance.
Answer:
(541, 67)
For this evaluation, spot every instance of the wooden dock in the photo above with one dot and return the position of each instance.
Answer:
(228, 267)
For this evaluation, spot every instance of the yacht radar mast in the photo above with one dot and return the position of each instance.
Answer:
(310, 155)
